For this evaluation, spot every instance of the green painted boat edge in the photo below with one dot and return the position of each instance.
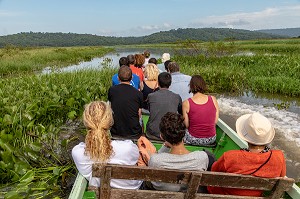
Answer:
(232, 134)
(81, 183)
(78, 188)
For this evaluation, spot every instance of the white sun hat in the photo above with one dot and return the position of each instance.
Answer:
(165, 57)
(255, 129)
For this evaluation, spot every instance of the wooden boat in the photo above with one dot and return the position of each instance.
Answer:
(227, 139)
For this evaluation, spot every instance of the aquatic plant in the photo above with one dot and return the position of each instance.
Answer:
(19, 60)
(33, 108)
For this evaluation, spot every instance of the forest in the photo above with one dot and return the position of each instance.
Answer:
(36, 39)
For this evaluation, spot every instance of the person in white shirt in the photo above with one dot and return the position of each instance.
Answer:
(180, 81)
(98, 147)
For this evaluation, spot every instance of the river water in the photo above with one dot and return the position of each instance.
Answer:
(286, 121)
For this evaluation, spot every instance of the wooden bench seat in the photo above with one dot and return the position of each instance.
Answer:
(276, 186)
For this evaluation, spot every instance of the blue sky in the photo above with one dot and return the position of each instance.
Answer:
(136, 18)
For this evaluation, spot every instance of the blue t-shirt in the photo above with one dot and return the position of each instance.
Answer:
(135, 81)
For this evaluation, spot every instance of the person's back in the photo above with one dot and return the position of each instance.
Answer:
(161, 102)
(245, 162)
(98, 147)
(126, 103)
(135, 63)
(180, 82)
(165, 57)
(257, 160)
(135, 81)
(202, 118)
(147, 57)
(201, 113)
(173, 154)
(150, 84)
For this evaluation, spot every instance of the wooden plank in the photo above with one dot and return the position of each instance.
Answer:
(192, 178)
(231, 180)
(150, 194)
(105, 183)
(282, 185)
(220, 179)
(193, 186)
(144, 173)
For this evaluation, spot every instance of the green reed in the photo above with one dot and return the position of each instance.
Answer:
(227, 69)
(18, 60)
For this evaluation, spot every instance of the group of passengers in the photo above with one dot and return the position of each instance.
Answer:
(179, 113)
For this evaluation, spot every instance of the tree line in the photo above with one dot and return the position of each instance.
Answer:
(35, 39)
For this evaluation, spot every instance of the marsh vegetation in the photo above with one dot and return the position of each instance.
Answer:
(35, 107)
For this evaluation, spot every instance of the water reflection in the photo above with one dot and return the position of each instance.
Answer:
(109, 60)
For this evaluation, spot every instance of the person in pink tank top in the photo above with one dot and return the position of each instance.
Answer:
(201, 113)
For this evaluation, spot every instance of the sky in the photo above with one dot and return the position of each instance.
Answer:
(144, 17)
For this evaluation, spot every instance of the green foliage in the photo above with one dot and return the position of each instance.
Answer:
(72, 39)
(225, 71)
(32, 110)
(18, 60)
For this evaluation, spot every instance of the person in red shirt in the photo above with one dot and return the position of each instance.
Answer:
(132, 60)
(257, 160)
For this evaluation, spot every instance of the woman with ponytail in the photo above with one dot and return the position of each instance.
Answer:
(98, 147)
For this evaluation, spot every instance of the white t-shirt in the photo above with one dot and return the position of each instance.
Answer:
(125, 153)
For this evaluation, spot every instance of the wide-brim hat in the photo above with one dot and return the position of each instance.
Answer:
(165, 57)
(255, 129)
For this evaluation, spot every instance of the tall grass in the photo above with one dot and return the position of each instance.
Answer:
(226, 71)
(18, 60)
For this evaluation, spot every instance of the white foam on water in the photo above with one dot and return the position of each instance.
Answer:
(285, 122)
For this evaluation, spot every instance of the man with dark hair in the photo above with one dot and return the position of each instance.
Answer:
(180, 82)
(135, 81)
(152, 60)
(166, 64)
(126, 103)
(174, 155)
(161, 102)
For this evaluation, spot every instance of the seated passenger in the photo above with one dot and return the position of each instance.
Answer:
(180, 81)
(257, 160)
(173, 154)
(161, 102)
(165, 57)
(150, 83)
(98, 119)
(152, 61)
(126, 103)
(201, 113)
(135, 81)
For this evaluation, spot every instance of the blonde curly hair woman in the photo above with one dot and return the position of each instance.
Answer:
(98, 147)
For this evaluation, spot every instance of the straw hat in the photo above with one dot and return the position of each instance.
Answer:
(255, 129)
(165, 57)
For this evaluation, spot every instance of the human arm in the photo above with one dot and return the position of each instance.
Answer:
(179, 109)
(140, 113)
(83, 162)
(211, 159)
(219, 165)
(185, 111)
(217, 108)
(141, 85)
(283, 172)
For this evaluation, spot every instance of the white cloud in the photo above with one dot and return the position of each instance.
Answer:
(4, 13)
(279, 17)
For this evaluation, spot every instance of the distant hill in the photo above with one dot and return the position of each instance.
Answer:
(73, 39)
(290, 32)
